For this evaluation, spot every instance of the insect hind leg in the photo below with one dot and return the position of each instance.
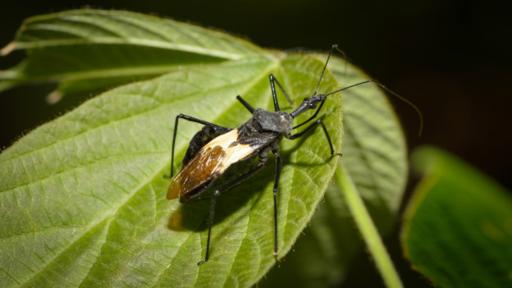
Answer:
(234, 183)
(245, 103)
(211, 217)
(217, 193)
(191, 119)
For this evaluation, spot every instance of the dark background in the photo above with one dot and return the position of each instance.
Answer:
(451, 58)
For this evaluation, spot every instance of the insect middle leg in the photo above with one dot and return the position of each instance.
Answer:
(273, 81)
(191, 119)
(313, 126)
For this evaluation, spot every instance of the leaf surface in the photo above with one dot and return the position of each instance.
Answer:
(82, 198)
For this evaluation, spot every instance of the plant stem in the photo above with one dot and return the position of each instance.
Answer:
(367, 228)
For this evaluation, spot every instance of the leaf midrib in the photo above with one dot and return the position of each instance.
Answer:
(84, 15)
(95, 73)
(136, 42)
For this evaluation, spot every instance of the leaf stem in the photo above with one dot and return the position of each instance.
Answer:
(367, 228)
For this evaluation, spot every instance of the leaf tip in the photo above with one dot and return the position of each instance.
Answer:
(7, 49)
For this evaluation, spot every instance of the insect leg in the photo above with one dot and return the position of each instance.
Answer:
(312, 117)
(237, 181)
(211, 216)
(243, 177)
(216, 193)
(279, 165)
(191, 119)
(273, 81)
(245, 103)
(313, 126)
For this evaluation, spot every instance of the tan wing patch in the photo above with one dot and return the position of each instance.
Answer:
(214, 158)
(233, 150)
(198, 171)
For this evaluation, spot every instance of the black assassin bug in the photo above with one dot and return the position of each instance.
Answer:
(214, 149)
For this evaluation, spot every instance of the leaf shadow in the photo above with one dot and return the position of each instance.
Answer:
(301, 163)
(193, 216)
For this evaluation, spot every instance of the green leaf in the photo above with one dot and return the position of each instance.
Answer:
(82, 198)
(458, 225)
(89, 50)
(374, 156)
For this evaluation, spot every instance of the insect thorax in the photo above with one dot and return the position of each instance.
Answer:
(279, 122)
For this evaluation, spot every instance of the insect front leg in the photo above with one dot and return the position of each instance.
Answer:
(313, 116)
(191, 119)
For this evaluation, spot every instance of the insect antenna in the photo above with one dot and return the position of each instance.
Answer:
(393, 93)
(333, 48)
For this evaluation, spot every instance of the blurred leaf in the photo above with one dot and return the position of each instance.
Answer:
(82, 198)
(374, 155)
(89, 50)
(458, 225)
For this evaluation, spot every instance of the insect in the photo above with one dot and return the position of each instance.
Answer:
(215, 149)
